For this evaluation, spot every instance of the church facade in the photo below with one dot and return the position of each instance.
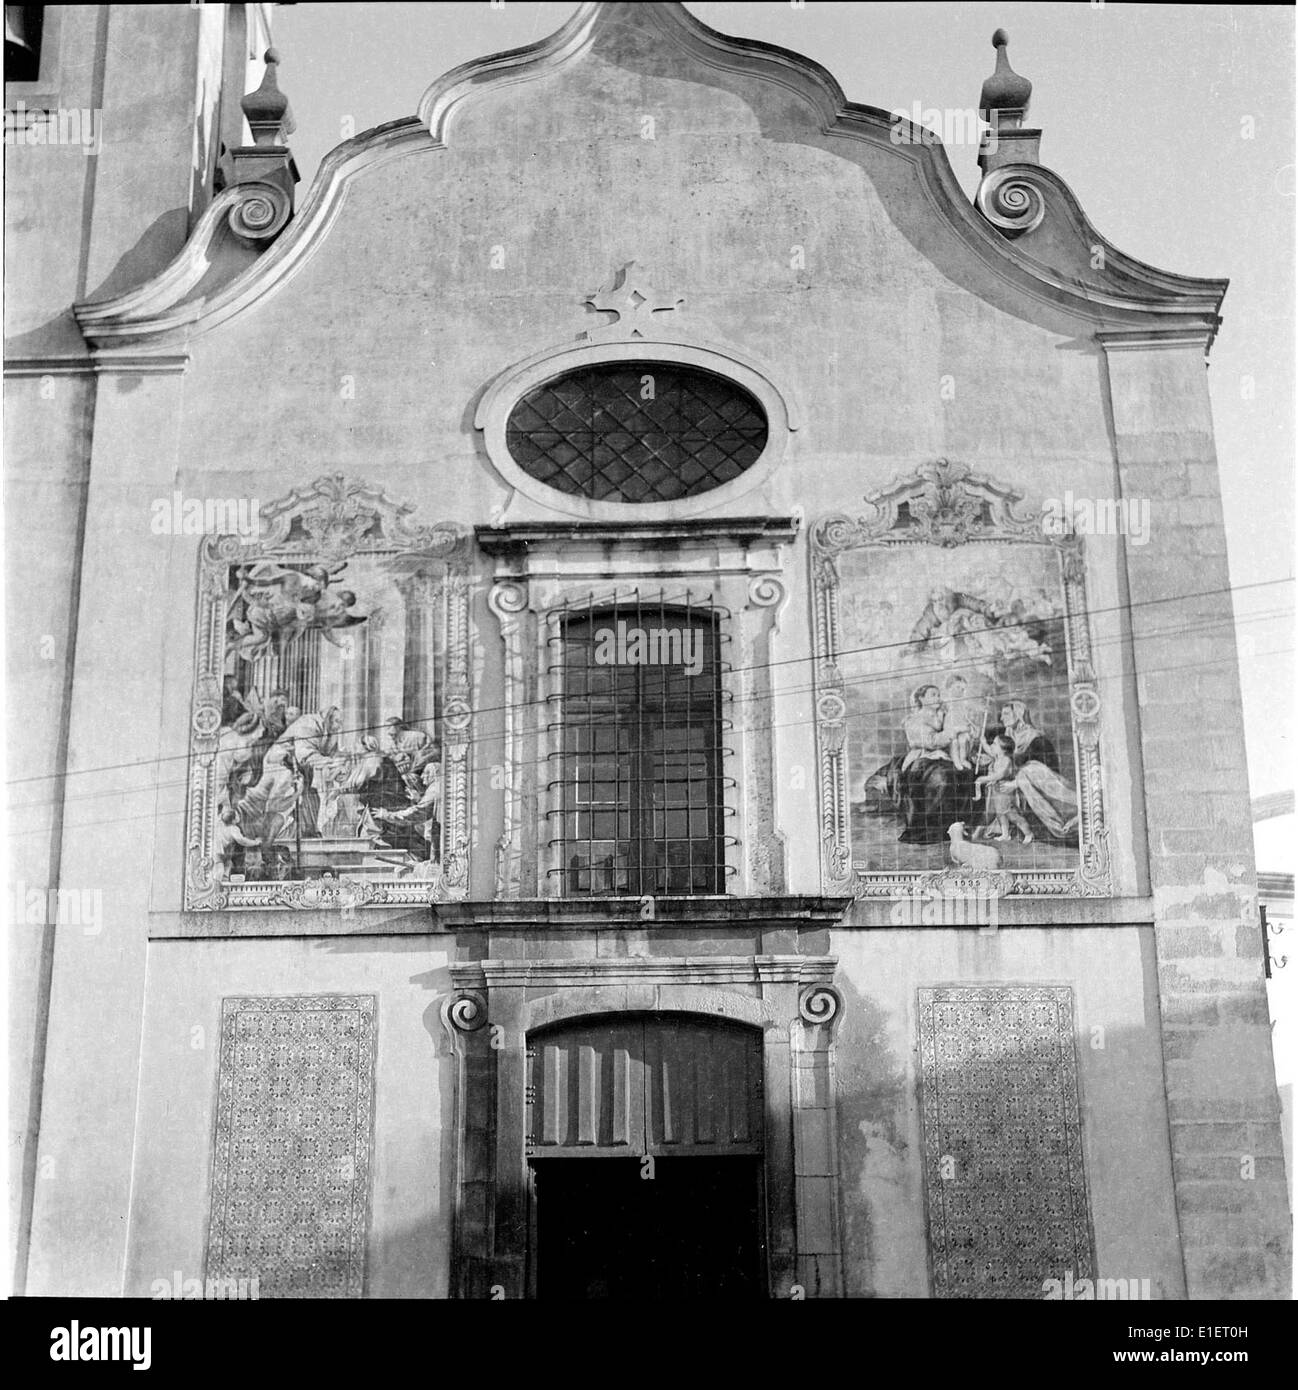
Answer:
(624, 674)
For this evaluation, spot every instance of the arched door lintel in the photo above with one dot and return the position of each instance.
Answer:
(573, 1003)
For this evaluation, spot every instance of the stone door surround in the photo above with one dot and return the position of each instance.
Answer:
(497, 1003)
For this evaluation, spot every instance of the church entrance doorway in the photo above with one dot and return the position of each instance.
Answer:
(645, 1147)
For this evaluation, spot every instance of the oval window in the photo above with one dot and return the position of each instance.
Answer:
(636, 432)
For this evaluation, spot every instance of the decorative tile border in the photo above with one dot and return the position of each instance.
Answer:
(1006, 1186)
(291, 1156)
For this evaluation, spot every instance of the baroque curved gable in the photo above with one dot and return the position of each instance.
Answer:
(212, 281)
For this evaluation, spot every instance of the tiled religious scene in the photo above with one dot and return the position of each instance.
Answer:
(960, 695)
(956, 667)
(311, 666)
(321, 775)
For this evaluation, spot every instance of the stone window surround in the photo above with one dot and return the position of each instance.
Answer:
(683, 349)
(540, 567)
(604, 414)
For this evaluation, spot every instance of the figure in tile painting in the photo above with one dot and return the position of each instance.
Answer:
(275, 604)
(315, 780)
(1042, 791)
(935, 688)
(997, 787)
(285, 802)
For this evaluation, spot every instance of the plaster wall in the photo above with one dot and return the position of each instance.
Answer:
(44, 498)
(79, 220)
(408, 1251)
(1123, 1112)
(1124, 1115)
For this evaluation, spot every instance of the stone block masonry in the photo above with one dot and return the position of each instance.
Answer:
(1223, 1111)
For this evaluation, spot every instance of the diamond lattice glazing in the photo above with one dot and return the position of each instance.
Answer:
(636, 432)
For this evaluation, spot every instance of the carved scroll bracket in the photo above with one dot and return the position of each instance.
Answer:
(819, 1004)
(1011, 200)
(466, 1011)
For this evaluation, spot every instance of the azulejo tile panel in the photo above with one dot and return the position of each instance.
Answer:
(957, 696)
(1003, 1168)
(332, 715)
(291, 1160)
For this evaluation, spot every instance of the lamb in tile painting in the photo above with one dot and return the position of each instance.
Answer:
(967, 855)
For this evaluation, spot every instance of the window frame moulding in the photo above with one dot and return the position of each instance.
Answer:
(677, 347)
(535, 583)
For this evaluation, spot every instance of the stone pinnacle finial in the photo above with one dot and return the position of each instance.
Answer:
(267, 109)
(1005, 90)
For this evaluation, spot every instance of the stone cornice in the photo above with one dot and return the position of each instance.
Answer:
(515, 917)
(740, 530)
(1172, 337)
(1275, 886)
(98, 363)
(49, 366)
(185, 300)
(608, 914)
(644, 970)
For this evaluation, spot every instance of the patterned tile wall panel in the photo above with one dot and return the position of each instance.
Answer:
(291, 1161)
(1002, 1140)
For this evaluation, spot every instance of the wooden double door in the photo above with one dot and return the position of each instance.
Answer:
(645, 1144)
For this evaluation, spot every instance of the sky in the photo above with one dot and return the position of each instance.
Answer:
(1173, 124)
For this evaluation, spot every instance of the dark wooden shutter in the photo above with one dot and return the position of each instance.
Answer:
(587, 1089)
(704, 1088)
(668, 1085)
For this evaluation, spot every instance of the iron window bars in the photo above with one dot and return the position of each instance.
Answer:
(641, 792)
(636, 432)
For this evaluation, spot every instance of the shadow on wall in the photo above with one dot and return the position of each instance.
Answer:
(880, 1183)
(153, 252)
(1015, 1157)
(411, 1259)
